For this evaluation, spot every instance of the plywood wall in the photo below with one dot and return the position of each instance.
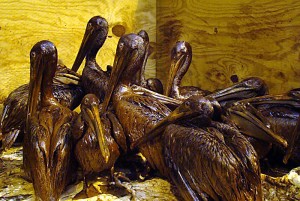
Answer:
(25, 22)
(229, 37)
(233, 37)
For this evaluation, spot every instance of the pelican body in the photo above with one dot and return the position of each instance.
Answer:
(97, 137)
(67, 90)
(47, 140)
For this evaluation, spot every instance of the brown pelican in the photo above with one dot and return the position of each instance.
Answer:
(96, 150)
(47, 140)
(181, 57)
(210, 162)
(94, 79)
(247, 88)
(136, 112)
(67, 91)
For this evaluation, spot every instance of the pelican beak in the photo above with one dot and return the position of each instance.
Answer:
(253, 124)
(282, 101)
(94, 120)
(192, 107)
(40, 64)
(247, 88)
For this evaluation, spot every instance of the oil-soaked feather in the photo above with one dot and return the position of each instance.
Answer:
(95, 80)
(50, 143)
(138, 114)
(15, 105)
(117, 131)
(14, 111)
(87, 151)
(214, 168)
(9, 139)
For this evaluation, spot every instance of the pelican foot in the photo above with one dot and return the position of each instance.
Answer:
(122, 182)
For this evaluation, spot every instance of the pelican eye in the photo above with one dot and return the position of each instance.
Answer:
(187, 103)
(121, 46)
(86, 101)
(33, 54)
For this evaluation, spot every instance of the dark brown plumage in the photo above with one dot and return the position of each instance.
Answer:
(136, 112)
(210, 161)
(94, 79)
(181, 57)
(279, 114)
(96, 149)
(66, 89)
(47, 140)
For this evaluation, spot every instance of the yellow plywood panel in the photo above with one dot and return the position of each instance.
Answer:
(25, 22)
(232, 37)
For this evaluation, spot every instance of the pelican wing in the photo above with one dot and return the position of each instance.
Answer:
(49, 150)
(38, 157)
(14, 115)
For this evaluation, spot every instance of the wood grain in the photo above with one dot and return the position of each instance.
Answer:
(232, 37)
(25, 22)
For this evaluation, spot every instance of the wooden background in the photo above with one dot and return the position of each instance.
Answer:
(232, 37)
(229, 37)
(25, 22)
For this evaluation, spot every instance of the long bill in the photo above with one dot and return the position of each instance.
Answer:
(187, 110)
(122, 61)
(162, 98)
(94, 120)
(253, 126)
(276, 100)
(34, 87)
(248, 88)
(86, 44)
(141, 75)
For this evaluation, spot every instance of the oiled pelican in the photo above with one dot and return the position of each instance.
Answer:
(96, 148)
(67, 91)
(47, 140)
(213, 161)
(94, 79)
(181, 57)
(136, 112)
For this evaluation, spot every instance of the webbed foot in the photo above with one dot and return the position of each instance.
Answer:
(118, 179)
